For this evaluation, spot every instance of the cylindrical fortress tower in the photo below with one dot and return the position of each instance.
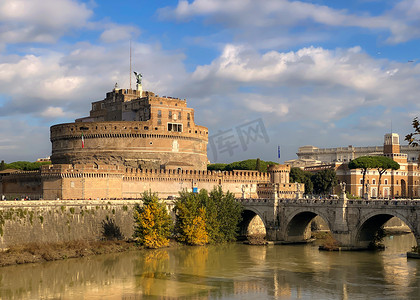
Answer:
(279, 173)
(147, 132)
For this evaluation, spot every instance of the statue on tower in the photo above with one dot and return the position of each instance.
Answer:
(138, 77)
(138, 80)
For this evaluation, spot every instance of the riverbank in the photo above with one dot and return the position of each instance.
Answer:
(43, 252)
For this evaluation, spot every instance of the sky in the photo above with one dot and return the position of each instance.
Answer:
(259, 74)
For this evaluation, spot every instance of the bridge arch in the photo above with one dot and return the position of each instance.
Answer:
(250, 215)
(372, 222)
(297, 225)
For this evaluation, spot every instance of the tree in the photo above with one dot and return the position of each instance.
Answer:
(26, 165)
(381, 163)
(153, 223)
(364, 163)
(385, 163)
(249, 164)
(411, 138)
(228, 215)
(2, 166)
(324, 181)
(222, 215)
(190, 226)
(258, 165)
(298, 175)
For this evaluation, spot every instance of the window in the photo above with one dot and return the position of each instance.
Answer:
(179, 115)
(373, 181)
(170, 114)
(175, 127)
(159, 114)
(386, 181)
(159, 122)
(188, 116)
(188, 124)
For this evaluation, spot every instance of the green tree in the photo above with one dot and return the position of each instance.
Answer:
(298, 175)
(2, 166)
(227, 215)
(249, 164)
(364, 163)
(26, 165)
(324, 181)
(152, 222)
(258, 165)
(385, 163)
(216, 167)
(190, 226)
(222, 217)
(411, 138)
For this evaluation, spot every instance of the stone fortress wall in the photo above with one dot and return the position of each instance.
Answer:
(134, 144)
(23, 222)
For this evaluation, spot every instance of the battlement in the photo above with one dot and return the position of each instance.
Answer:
(177, 174)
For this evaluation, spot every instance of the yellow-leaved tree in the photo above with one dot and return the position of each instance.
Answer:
(190, 224)
(153, 223)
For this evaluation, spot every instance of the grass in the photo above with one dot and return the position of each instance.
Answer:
(41, 252)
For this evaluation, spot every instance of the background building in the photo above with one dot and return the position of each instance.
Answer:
(311, 155)
(402, 183)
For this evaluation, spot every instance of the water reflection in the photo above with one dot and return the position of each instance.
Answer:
(232, 271)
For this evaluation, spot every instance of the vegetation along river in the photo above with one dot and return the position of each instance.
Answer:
(230, 271)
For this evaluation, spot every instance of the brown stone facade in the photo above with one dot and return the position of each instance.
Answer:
(140, 130)
(101, 182)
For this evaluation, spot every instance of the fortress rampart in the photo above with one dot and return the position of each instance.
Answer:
(92, 181)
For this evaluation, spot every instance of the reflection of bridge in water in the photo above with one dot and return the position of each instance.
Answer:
(352, 222)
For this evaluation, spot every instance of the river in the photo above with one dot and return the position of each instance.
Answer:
(232, 271)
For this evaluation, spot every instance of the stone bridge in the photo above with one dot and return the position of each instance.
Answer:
(352, 222)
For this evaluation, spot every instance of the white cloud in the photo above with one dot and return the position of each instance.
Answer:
(114, 33)
(42, 21)
(313, 89)
(66, 83)
(269, 20)
(53, 112)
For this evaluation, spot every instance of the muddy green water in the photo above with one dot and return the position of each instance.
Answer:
(233, 271)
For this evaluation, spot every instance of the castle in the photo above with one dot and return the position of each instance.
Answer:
(135, 141)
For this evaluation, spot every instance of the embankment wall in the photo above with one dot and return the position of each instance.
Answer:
(24, 222)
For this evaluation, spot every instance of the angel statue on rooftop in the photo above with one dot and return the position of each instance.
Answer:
(138, 77)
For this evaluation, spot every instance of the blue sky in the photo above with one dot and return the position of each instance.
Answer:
(322, 73)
